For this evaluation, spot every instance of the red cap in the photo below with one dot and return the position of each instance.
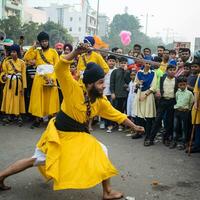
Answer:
(59, 45)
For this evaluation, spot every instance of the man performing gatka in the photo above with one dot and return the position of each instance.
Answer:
(66, 152)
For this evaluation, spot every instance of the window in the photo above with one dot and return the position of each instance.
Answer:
(70, 29)
(71, 19)
(79, 29)
(79, 19)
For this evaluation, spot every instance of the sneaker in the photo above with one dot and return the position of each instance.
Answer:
(108, 131)
(120, 128)
(136, 136)
(180, 147)
(20, 122)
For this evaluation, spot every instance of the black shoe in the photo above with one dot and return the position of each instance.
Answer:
(166, 143)
(5, 121)
(172, 145)
(136, 136)
(148, 143)
(35, 125)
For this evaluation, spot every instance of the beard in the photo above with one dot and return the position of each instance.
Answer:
(94, 94)
(45, 48)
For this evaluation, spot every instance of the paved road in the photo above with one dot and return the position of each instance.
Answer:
(177, 174)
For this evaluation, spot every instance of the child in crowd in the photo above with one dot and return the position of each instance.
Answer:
(144, 102)
(111, 61)
(119, 81)
(195, 69)
(184, 102)
(172, 56)
(187, 70)
(166, 93)
(131, 96)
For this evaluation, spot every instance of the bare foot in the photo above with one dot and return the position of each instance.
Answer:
(4, 187)
(112, 195)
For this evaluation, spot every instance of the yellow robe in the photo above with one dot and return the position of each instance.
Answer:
(194, 111)
(44, 100)
(12, 103)
(94, 57)
(76, 160)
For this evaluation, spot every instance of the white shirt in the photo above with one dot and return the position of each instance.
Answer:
(168, 87)
(107, 91)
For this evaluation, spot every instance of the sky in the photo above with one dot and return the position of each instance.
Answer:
(172, 19)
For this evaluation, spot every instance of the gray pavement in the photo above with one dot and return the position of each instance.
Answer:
(177, 175)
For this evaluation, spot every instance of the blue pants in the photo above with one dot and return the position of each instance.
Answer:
(181, 126)
(197, 136)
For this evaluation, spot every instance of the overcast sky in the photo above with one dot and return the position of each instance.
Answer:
(171, 19)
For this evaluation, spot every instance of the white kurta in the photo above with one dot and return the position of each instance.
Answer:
(147, 107)
(131, 96)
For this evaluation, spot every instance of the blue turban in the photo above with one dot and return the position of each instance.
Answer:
(92, 73)
(90, 40)
(16, 48)
(172, 62)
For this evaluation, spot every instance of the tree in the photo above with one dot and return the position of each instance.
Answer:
(30, 31)
(132, 24)
(12, 27)
(56, 32)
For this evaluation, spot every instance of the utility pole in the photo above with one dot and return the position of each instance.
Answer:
(97, 26)
(168, 30)
(147, 22)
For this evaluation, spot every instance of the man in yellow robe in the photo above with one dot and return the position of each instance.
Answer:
(66, 152)
(44, 100)
(14, 75)
(90, 56)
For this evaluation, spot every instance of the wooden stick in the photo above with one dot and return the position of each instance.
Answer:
(127, 56)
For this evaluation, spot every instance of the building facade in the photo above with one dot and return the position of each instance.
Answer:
(79, 19)
(103, 26)
(11, 8)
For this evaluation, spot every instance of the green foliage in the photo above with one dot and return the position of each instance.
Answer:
(14, 28)
(130, 23)
(11, 27)
(56, 32)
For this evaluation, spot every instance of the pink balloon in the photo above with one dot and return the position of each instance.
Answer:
(125, 37)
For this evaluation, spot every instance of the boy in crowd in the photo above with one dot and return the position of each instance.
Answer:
(172, 56)
(119, 81)
(195, 69)
(187, 70)
(184, 102)
(166, 93)
(111, 61)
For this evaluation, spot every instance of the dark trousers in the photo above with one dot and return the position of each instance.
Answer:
(166, 106)
(181, 128)
(27, 93)
(120, 104)
(197, 136)
(147, 124)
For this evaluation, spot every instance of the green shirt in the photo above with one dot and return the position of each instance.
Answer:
(159, 74)
(184, 99)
